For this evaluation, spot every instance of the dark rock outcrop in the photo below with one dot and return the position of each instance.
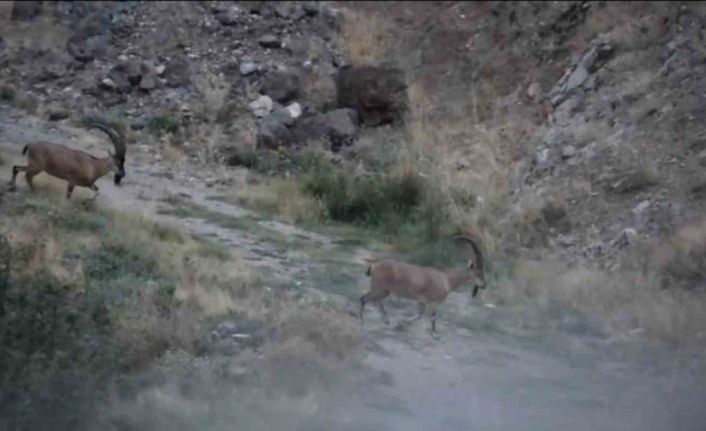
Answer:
(377, 93)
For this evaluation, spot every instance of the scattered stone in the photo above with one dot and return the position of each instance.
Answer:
(577, 78)
(627, 237)
(261, 107)
(295, 110)
(160, 69)
(108, 84)
(533, 90)
(57, 114)
(568, 151)
(247, 68)
(641, 207)
(270, 41)
(227, 18)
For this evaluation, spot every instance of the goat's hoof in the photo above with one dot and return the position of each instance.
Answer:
(11, 188)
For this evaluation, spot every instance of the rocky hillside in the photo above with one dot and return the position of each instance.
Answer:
(572, 126)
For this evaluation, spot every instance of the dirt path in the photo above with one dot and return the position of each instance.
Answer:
(490, 370)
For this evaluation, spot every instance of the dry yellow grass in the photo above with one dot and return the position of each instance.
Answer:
(280, 197)
(630, 300)
(368, 37)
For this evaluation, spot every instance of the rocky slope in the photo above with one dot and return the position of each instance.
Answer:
(592, 112)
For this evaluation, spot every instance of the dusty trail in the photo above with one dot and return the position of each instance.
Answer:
(485, 372)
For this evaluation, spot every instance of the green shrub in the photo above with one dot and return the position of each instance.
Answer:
(163, 124)
(389, 203)
(7, 93)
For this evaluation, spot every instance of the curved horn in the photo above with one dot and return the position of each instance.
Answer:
(115, 136)
(478, 255)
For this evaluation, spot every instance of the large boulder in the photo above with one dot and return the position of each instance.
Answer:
(282, 85)
(273, 131)
(377, 93)
(339, 127)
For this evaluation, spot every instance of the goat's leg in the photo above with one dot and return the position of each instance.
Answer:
(372, 296)
(381, 307)
(29, 175)
(95, 189)
(16, 170)
(403, 324)
(69, 190)
(432, 314)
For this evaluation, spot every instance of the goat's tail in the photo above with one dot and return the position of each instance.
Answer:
(24, 150)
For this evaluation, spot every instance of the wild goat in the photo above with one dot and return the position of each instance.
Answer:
(428, 286)
(77, 167)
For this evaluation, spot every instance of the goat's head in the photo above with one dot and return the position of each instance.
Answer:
(118, 139)
(476, 264)
(118, 166)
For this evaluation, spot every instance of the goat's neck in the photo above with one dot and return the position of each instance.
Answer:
(103, 166)
(457, 278)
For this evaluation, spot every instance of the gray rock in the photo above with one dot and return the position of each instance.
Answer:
(641, 207)
(108, 84)
(247, 68)
(295, 110)
(261, 107)
(339, 127)
(577, 78)
(227, 18)
(627, 237)
(533, 90)
(282, 86)
(568, 151)
(148, 82)
(270, 41)
(342, 127)
(273, 132)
